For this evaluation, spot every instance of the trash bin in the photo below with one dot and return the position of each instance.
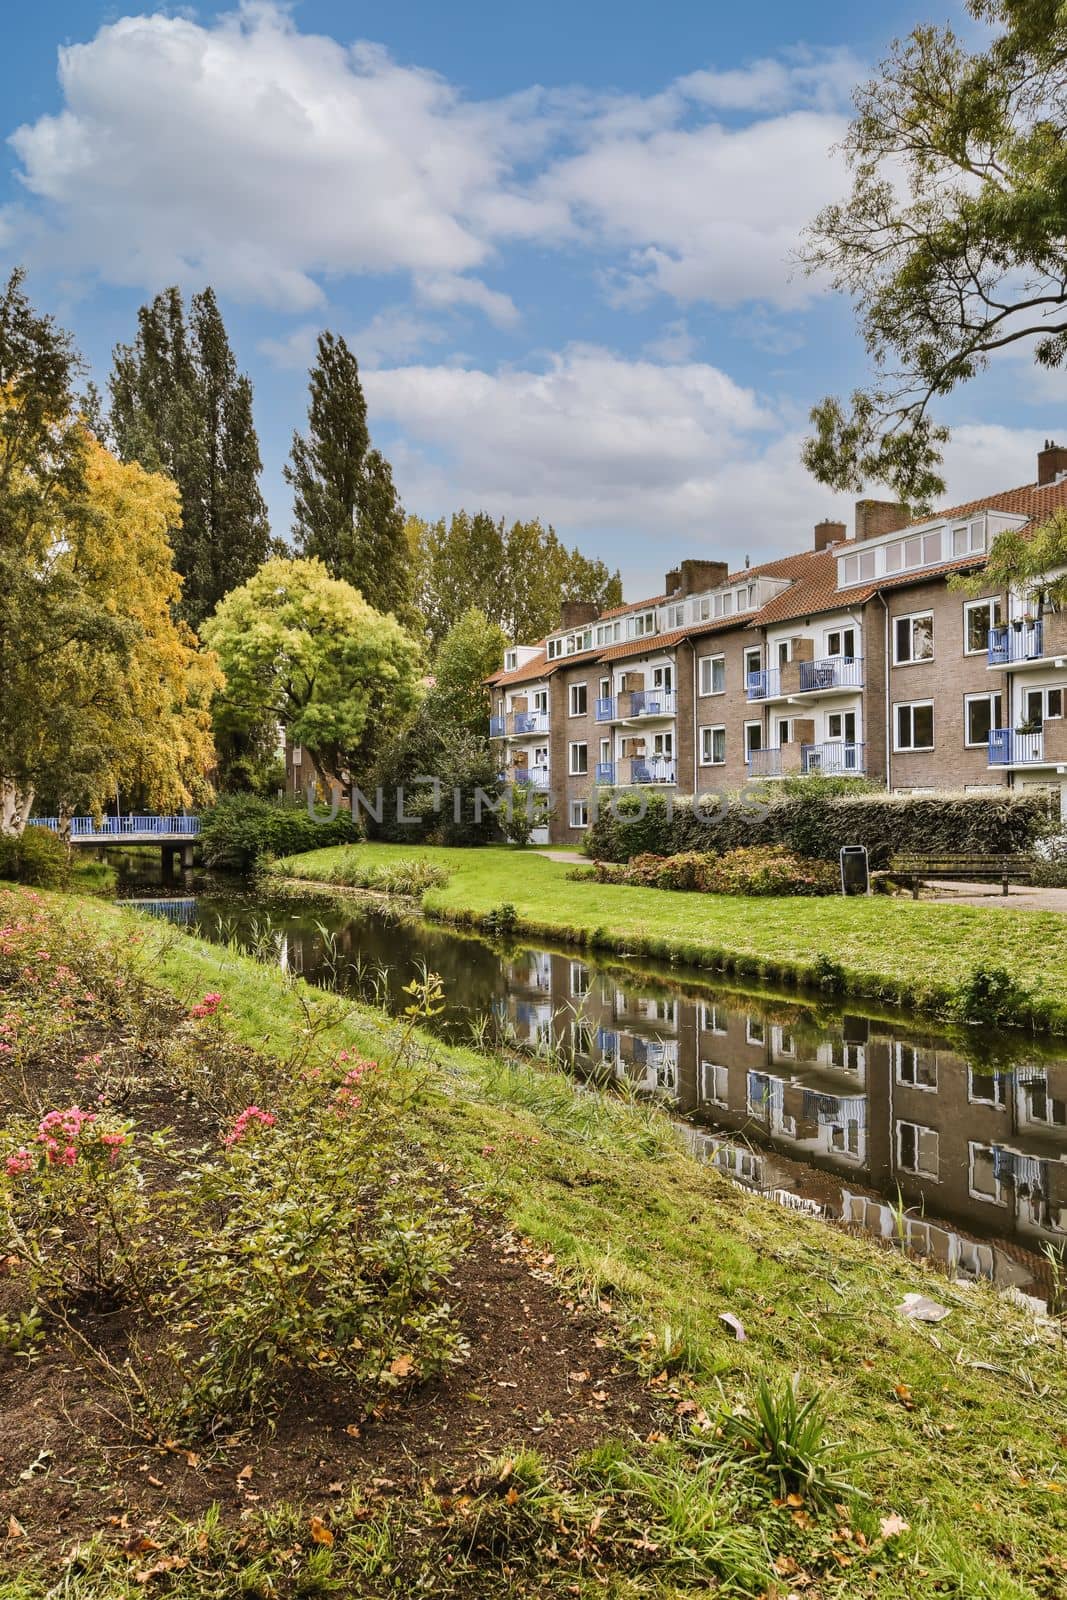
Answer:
(855, 877)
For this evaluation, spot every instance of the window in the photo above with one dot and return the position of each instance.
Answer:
(915, 725)
(845, 1138)
(540, 701)
(1039, 705)
(605, 688)
(714, 1084)
(581, 982)
(753, 737)
(858, 568)
(511, 660)
(712, 1020)
(783, 727)
(578, 765)
(579, 699)
(753, 663)
(676, 616)
(584, 1037)
(986, 1088)
(785, 653)
(607, 633)
(755, 1031)
(555, 648)
(841, 725)
(913, 638)
(713, 674)
(981, 714)
(605, 752)
(970, 539)
(916, 1069)
(978, 617)
(917, 1149)
(983, 1179)
(841, 642)
(712, 747)
(644, 623)
(298, 755)
(579, 814)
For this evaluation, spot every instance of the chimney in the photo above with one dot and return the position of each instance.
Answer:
(699, 575)
(828, 532)
(1051, 463)
(574, 613)
(875, 517)
(672, 582)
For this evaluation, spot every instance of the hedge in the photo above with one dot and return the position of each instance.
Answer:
(759, 870)
(817, 825)
(239, 830)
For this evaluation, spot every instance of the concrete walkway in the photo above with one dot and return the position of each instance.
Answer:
(572, 857)
(1020, 896)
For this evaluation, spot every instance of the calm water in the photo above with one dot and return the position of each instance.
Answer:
(848, 1112)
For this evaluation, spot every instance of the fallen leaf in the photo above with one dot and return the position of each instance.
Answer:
(244, 1474)
(140, 1545)
(335, 1488)
(512, 1497)
(320, 1532)
(892, 1525)
(401, 1366)
(15, 1530)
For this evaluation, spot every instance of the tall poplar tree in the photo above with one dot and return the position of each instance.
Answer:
(179, 405)
(346, 511)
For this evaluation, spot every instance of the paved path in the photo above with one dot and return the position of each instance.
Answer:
(1020, 896)
(574, 857)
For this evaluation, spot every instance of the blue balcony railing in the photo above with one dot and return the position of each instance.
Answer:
(531, 777)
(605, 709)
(763, 685)
(605, 772)
(1013, 641)
(531, 722)
(651, 703)
(833, 672)
(496, 727)
(1009, 749)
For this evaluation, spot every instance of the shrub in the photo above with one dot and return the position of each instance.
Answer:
(766, 870)
(990, 994)
(240, 830)
(1049, 868)
(813, 820)
(37, 856)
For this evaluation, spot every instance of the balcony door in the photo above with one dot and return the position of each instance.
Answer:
(841, 725)
(841, 642)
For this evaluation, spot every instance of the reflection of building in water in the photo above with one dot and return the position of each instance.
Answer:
(815, 1114)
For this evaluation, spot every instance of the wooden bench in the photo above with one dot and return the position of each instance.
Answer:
(954, 864)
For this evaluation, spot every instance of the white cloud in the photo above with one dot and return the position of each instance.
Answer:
(675, 343)
(391, 334)
(270, 161)
(256, 156)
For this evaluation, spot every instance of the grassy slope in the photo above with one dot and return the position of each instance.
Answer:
(916, 952)
(969, 1417)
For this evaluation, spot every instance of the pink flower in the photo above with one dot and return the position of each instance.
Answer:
(113, 1143)
(250, 1115)
(19, 1163)
(207, 1006)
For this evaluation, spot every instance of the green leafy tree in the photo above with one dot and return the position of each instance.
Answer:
(346, 512)
(518, 576)
(179, 405)
(101, 686)
(953, 241)
(305, 648)
(465, 658)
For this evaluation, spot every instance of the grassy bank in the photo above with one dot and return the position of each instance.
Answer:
(963, 1493)
(913, 953)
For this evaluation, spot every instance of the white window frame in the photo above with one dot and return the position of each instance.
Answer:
(899, 1046)
(838, 633)
(710, 1083)
(749, 747)
(1000, 1090)
(555, 649)
(996, 716)
(912, 617)
(755, 1030)
(709, 1018)
(579, 813)
(998, 1197)
(511, 660)
(918, 1171)
(676, 616)
(576, 689)
(707, 674)
(707, 745)
(573, 769)
(753, 654)
(912, 706)
(994, 609)
(581, 979)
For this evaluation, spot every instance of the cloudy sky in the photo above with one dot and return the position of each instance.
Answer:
(558, 237)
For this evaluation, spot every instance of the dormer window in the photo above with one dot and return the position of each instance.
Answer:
(644, 624)
(511, 660)
(555, 649)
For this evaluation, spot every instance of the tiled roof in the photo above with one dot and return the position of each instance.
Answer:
(634, 605)
(1032, 500)
(642, 647)
(532, 670)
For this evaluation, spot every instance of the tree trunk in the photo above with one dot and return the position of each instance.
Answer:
(15, 807)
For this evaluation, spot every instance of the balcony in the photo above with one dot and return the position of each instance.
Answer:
(530, 777)
(1016, 641)
(605, 772)
(635, 703)
(496, 727)
(653, 769)
(766, 685)
(529, 722)
(833, 672)
(605, 710)
(837, 759)
(1007, 748)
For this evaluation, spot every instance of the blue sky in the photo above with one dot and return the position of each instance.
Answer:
(558, 237)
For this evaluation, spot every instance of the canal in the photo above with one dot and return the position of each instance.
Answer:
(951, 1143)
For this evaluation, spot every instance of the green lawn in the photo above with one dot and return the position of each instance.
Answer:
(915, 953)
(965, 1421)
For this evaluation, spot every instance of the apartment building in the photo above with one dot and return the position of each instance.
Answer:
(853, 657)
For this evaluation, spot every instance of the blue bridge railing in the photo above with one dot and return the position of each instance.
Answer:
(123, 827)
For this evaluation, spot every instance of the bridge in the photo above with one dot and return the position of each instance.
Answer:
(175, 835)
